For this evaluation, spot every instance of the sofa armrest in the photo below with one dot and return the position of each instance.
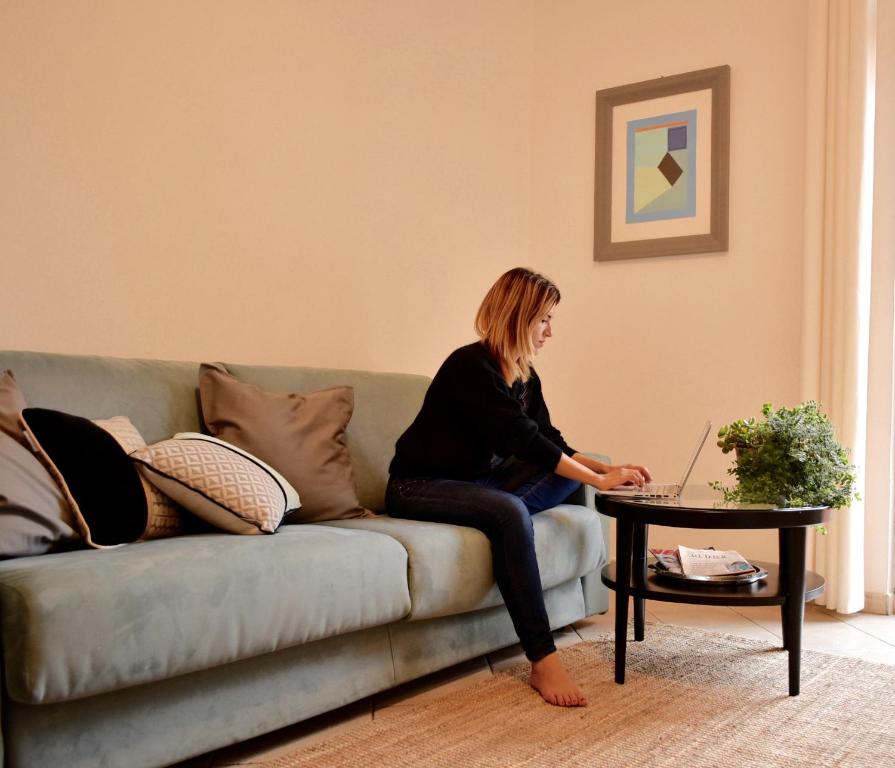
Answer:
(596, 595)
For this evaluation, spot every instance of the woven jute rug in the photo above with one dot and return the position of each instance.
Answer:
(691, 699)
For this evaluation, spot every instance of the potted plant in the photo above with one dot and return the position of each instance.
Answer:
(791, 458)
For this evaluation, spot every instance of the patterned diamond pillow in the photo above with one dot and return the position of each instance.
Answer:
(218, 482)
(164, 517)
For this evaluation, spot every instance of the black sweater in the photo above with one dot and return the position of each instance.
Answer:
(471, 419)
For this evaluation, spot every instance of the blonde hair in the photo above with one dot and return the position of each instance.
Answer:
(508, 316)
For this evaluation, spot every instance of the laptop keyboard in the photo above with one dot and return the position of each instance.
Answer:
(660, 489)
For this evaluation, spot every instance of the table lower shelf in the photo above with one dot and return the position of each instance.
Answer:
(766, 591)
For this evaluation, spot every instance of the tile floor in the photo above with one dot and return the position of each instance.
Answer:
(866, 636)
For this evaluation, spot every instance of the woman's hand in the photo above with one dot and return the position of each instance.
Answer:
(627, 474)
(642, 470)
(599, 475)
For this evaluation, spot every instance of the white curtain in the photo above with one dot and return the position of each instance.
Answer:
(838, 260)
(879, 486)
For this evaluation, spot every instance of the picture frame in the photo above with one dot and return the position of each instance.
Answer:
(661, 184)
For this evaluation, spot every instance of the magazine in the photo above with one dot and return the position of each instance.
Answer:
(714, 563)
(732, 568)
(667, 560)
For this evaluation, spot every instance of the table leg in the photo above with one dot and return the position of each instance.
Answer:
(784, 576)
(624, 539)
(792, 544)
(638, 567)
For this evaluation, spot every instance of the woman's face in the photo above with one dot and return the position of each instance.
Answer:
(542, 331)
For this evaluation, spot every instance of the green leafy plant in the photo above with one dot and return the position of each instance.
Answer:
(791, 458)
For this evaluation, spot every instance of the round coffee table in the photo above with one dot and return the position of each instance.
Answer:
(788, 584)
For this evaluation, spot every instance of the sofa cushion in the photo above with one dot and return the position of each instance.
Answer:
(82, 623)
(450, 566)
(158, 396)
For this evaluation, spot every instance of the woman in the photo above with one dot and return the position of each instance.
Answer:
(482, 453)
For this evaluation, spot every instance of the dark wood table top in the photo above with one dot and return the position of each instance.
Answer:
(702, 511)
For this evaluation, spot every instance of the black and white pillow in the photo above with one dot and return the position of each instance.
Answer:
(93, 472)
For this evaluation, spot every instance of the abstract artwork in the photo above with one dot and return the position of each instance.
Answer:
(661, 167)
(661, 185)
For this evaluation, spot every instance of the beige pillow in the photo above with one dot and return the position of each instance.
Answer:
(164, 517)
(301, 435)
(220, 483)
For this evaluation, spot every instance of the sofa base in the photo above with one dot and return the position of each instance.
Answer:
(162, 723)
(421, 647)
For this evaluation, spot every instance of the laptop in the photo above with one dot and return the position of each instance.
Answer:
(663, 490)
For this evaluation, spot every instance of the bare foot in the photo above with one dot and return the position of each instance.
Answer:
(550, 679)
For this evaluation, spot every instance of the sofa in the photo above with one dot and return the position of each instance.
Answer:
(152, 652)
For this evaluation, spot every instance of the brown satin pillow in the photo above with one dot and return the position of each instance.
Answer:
(12, 403)
(302, 436)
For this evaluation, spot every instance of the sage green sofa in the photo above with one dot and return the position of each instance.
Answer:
(153, 652)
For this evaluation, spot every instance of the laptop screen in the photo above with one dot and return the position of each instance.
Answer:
(696, 451)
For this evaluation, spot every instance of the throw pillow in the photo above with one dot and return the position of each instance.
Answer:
(95, 475)
(218, 482)
(302, 435)
(11, 405)
(34, 517)
(164, 517)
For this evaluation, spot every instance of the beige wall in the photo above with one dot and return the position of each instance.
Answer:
(330, 183)
(691, 337)
(337, 183)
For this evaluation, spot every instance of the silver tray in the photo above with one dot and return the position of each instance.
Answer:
(735, 580)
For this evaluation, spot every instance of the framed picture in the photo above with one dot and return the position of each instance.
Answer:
(662, 166)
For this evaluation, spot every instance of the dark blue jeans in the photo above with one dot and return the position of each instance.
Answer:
(505, 518)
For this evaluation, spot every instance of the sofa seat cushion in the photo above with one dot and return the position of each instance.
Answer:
(82, 623)
(450, 565)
